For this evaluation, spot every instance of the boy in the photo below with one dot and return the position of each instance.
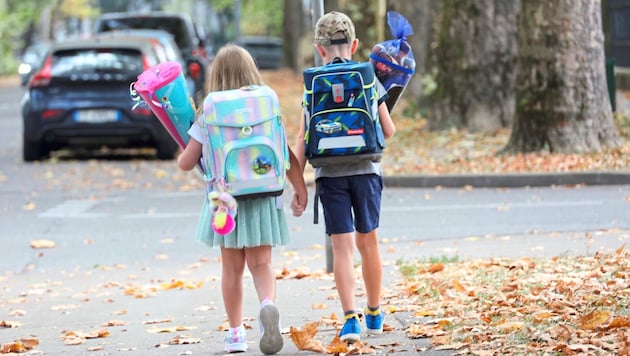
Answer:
(348, 188)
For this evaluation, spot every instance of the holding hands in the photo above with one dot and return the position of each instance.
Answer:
(298, 202)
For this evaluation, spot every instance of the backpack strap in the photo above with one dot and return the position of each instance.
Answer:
(316, 204)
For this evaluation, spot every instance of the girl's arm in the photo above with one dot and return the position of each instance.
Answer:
(189, 158)
(296, 178)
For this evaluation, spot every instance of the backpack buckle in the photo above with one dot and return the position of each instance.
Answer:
(337, 92)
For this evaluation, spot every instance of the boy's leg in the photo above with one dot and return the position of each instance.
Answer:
(343, 268)
(371, 266)
(345, 280)
(259, 264)
(232, 268)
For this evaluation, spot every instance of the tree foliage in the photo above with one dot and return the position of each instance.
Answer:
(15, 18)
(81, 9)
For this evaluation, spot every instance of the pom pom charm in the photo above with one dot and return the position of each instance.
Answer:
(223, 223)
(223, 212)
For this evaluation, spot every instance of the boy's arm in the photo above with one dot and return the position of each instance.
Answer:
(387, 124)
(299, 144)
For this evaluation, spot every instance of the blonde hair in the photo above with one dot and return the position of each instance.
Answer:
(232, 68)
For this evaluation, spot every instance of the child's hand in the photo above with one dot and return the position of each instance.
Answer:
(298, 204)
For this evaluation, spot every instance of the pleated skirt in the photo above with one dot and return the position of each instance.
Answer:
(259, 222)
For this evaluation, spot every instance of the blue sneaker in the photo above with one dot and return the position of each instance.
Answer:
(351, 330)
(374, 321)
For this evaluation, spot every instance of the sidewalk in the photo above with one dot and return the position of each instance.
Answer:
(146, 317)
(143, 317)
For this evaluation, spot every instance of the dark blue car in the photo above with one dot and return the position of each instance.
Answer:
(80, 97)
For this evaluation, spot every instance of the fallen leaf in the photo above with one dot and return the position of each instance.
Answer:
(337, 346)
(115, 323)
(184, 340)
(171, 329)
(19, 346)
(594, 320)
(304, 338)
(9, 324)
(43, 244)
(436, 267)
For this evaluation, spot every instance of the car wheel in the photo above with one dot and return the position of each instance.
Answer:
(167, 150)
(32, 151)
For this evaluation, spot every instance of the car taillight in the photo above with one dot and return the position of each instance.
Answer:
(43, 76)
(144, 111)
(146, 63)
(52, 113)
(195, 70)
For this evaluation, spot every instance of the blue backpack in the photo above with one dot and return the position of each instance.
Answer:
(341, 114)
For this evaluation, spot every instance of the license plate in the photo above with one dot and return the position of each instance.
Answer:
(96, 116)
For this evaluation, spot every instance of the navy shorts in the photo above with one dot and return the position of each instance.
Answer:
(352, 202)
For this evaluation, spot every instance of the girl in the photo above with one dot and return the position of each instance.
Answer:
(260, 224)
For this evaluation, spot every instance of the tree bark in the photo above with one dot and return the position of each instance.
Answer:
(473, 62)
(293, 25)
(562, 100)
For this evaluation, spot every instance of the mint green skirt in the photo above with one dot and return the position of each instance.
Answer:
(259, 222)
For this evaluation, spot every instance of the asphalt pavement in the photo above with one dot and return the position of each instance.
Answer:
(166, 307)
(172, 306)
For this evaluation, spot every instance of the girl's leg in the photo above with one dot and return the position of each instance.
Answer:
(259, 264)
(233, 266)
(371, 266)
(343, 267)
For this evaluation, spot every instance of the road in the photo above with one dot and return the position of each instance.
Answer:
(128, 205)
(141, 213)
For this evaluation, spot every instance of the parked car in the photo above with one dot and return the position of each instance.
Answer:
(189, 37)
(31, 60)
(164, 45)
(266, 50)
(81, 98)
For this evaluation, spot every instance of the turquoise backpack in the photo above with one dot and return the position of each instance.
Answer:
(246, 152)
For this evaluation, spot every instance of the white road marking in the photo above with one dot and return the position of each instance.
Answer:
(80, 209)
(74, 209)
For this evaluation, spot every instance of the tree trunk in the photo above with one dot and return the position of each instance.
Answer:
(473, 61)
(293, 25)
(562, 100)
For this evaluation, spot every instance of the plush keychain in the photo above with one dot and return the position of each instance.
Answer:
(223, 207)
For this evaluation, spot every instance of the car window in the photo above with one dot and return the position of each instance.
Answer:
(175, 26)
(34, 54)
(69, 62)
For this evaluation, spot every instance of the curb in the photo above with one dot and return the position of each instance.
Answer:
(511, 180)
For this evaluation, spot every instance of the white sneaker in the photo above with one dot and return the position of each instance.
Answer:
(236, 339)
(271, 341)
